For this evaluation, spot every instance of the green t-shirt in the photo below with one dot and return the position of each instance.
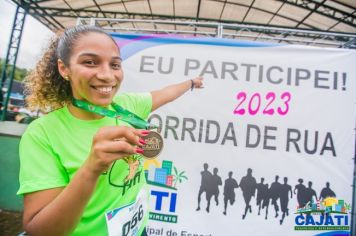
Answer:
(55, 146)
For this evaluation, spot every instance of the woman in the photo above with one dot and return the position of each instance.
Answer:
(74, 162)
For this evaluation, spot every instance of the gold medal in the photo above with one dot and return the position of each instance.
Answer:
(153, 146)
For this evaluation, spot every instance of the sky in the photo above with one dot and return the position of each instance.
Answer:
(35, 36)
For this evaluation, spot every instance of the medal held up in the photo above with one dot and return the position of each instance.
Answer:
(153, 146)
(154, 141)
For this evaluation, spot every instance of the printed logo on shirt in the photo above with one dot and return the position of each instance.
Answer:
(117, 176)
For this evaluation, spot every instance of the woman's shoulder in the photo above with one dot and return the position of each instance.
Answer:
(138, 103)
(129, 98)
(46, 121)
(130, 95)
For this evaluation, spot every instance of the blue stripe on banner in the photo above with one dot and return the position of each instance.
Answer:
(335, 233)
(134, 43)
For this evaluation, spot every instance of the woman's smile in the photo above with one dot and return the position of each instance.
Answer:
(104, 89)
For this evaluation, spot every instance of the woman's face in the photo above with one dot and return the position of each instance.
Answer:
(95, 69)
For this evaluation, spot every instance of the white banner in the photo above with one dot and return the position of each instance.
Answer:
(283, 115)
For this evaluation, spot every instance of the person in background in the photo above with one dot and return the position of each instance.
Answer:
(326, 192)
(74, 161)
(248, 186)
(229, 191)
(206, 178)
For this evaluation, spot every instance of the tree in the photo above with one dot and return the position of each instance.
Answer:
(178, 177)
(20, 73)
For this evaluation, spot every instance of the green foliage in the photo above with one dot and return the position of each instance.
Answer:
(178, 177)
(20, 73)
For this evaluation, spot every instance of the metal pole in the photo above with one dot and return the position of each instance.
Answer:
(345, 40)
(353, 213)
(11, 56)
(220, 30)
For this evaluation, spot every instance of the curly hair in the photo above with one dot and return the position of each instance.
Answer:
(45, 89)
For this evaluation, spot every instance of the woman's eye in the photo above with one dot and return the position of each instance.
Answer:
(90, 63)
(116, 66)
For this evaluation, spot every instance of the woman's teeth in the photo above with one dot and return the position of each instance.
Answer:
(104, 89)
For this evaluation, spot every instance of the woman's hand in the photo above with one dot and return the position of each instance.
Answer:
(113, 143)
(197, 82)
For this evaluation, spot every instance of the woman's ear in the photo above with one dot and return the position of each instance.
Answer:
(63, 69)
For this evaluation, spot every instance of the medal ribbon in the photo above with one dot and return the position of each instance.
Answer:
(119, 113)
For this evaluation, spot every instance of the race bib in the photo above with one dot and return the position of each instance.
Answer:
(128, 220)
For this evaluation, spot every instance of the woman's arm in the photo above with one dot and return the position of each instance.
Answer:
(172, 92)
(57, 211)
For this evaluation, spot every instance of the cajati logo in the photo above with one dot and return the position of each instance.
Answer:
(327, 214)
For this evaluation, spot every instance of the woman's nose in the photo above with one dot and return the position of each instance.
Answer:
(105, 73)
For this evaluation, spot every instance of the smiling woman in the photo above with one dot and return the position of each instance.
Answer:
(72, 69)
(93, 70)
(80, 164)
